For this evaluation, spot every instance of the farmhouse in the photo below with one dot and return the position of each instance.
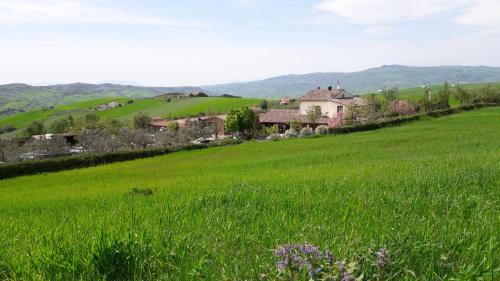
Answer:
(216, 122)
(332, 104)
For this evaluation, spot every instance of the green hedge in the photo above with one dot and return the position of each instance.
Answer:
(74, 162)
(403, 119)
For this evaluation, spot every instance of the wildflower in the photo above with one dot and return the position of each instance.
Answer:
(382, 258)
(281, 265)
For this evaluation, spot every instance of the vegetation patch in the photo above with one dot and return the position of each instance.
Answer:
(140, 192)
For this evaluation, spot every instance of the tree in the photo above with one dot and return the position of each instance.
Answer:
(35, 128)
(263, 105)
(243, 121)
(142, 121)
(113, 125)
(442, 98)
(91, 121)
(462, 95)
(313, 113)
(390, 94)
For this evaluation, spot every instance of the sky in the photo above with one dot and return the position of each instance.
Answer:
(200, 42)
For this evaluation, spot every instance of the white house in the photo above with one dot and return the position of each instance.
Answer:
(332, 102)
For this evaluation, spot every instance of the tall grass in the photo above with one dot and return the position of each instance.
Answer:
(428, 192)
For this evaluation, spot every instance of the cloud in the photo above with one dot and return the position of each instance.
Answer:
(76, 12)
(485, 13)
(379, 11)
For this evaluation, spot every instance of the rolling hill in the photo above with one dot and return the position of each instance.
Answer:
(21, 97)
(361, 82)
(426, 191)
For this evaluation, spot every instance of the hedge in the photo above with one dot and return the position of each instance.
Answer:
(17, 169)
(404, 119)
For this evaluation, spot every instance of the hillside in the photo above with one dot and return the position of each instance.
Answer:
(151, 106)
(427, 192)
(21, 97)
(361, 82)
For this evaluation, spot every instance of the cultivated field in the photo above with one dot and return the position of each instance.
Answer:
(428, 192)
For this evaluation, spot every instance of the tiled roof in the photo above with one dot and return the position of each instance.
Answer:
(326, 95)
(287, 116)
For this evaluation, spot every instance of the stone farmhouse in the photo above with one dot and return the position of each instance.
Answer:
(216, 122)
(332, 103)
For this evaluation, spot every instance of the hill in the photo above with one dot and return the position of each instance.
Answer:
(361, 82)
(21, 97)
(151, 106)
(427, 192)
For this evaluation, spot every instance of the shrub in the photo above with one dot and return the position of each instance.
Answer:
(306, 131)
(263, 105)
(141, 191)
(291, 133)
(274, 137)
(321, 130)
(142, 121)
(7, 129)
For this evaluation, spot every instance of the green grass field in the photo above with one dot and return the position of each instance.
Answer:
(153, 107)
(427, 191)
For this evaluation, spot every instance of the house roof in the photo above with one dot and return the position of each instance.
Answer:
(326, 95)
(287, 116)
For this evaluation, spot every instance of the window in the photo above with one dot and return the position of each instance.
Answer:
(340, 109)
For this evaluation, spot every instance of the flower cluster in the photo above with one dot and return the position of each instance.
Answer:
(294, 260)
(382, 258)
(302, 257)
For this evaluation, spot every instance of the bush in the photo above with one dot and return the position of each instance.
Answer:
(291, 133)
(306, 131)
(141, 191)
(11, 170)
(274, 137)
(322, 130)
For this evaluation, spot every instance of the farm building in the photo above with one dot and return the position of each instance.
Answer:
(216, 122)
(332, 103)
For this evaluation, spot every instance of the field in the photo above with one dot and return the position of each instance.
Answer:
(427, 191)
(154, 107)
(417, 93)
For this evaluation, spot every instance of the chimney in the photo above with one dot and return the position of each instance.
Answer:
(338, 85)
(330, 88)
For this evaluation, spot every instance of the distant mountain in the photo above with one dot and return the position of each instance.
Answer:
(362, 81)
(21, 97)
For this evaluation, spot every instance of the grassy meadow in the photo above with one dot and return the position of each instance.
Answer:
(428, 192)
(153, 107)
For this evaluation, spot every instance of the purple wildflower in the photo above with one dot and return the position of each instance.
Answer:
(281, 265)
(382, 258)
